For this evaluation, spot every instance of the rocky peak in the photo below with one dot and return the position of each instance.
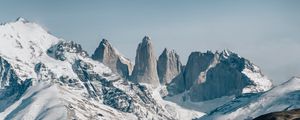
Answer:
(212, 75)
(146, 39)
(104, 51)
(21, 19)
(62, 48)
(168, 66)
(104, 42)
(147, 43)
(109, 56)
(145, 69)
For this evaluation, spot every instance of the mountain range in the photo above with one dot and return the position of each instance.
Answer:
(45, 77)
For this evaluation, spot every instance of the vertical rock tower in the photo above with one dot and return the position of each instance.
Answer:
(145, 69)
(168, 66)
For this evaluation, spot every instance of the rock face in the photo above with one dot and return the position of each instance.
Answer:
(109, 56)
(177, 85)
(213, 75)
(10, 83)
(124, 67)
(208, 77)
(94, 82)
(11, 87)
(168, 66)
(132, 100)
(197, 64)
(145, 69)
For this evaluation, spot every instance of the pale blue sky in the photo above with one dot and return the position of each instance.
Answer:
(264, 31)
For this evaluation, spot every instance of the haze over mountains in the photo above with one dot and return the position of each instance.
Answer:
(45, 77)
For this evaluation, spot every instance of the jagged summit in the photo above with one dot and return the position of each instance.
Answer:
(165, 51)
(109, 56)
(168, 51)
(101, 49)
(146, 42)
(168, 66)
(104, 42)
(227, 53)
(146, 39)
(21, 19)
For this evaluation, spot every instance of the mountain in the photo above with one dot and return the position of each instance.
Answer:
(110, 57)
(145, 68)
(168, 66)
(45, 77)
(209, 75)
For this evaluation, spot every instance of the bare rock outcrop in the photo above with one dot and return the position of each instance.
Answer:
(109, 56)
(168, 66)
(145, 69)
(213, 75)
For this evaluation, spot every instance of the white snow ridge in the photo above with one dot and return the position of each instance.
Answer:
(47, 78)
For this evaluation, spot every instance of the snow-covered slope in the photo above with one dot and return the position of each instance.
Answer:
(44, 77)
(50, 101)
(281, 98)
(23, 44)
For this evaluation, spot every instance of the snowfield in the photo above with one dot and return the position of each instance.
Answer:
(280, 98)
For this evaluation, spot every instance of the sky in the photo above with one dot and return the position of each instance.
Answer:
(267, 32)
